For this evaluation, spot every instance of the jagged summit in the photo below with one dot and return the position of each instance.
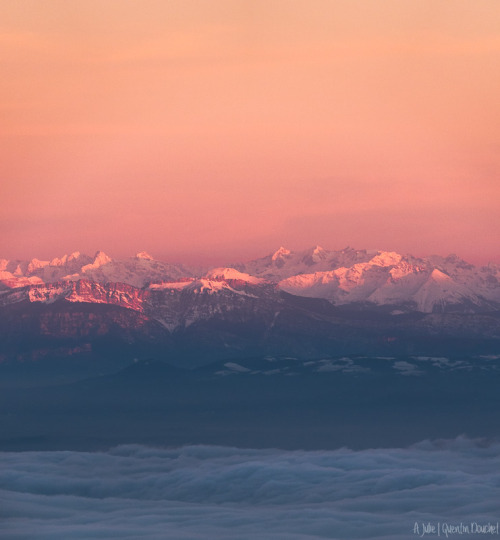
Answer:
(315, 255)
(35, 264)
(280, 253)
(59, 261)
(386, 258)
(100, 259)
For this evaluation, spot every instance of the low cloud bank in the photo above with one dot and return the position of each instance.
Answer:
(204, 492)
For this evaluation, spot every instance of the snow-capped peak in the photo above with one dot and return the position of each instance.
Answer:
(35, 264)
(386, 258)
(144, 255)
(280, 253)
(100, 259)
(223, 274)
(59, 261)
(75, 255)
(437, 275)
(315, 255)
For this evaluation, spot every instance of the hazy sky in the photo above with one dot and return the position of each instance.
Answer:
(218, 130)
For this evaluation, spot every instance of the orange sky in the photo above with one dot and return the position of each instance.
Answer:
(218, 130)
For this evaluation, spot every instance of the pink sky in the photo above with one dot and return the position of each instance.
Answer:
(217, 130)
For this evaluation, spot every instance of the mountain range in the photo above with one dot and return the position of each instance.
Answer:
(307, 303)
(348, 276)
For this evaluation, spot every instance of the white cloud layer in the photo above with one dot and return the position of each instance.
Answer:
(203, 492)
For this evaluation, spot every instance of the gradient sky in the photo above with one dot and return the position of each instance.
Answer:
(217, 130)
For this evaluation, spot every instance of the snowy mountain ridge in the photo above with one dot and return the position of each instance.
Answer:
(342, 277)
(137, 271)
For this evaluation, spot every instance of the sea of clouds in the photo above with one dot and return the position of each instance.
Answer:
(207, 492)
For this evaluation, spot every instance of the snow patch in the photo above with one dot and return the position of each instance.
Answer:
(236, 367)
(177, 285)
(406, 368)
